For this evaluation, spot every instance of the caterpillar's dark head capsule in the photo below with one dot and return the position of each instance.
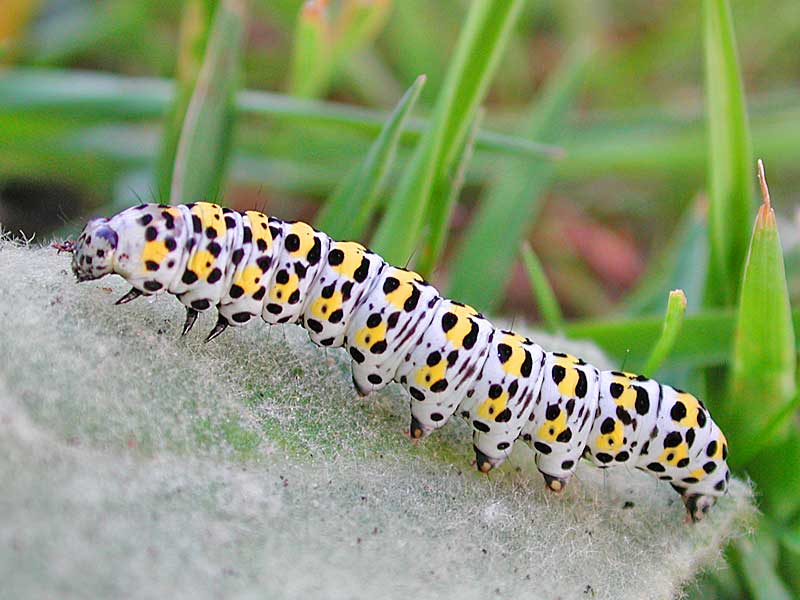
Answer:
(93, 255)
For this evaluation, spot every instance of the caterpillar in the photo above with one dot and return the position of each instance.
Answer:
(396, 327)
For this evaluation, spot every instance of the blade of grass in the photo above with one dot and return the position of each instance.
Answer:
(205, 138)
(195, 25)
(348, 211)
(102, 96)
(730, 157)
(542, 291)
(652, 149)
(706, 338)
(763, 381)
(359, 22)
(311, 50)
(510, 205)
(764, 359)
(324, 42)
(676, 308)
(444, 195)
(475, 58)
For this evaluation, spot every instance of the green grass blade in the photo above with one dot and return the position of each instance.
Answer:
(510, 205)
(476, 56)
(730, 157)
(542, 291)
(205, 137)
(706, 337)
(348, 211)
(101, 97)
(311, 58)
(676, 308)
(764, 358)
(475, 61)
(195, 25)
(325, 42)
(667, 144)
(358, 23)
(444, 196)
(758, 417)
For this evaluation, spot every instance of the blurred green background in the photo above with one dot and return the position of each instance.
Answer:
(612, 144)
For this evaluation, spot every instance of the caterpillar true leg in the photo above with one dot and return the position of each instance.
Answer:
(132, 294)
(222, 325)
(191, 318)
(396, 327)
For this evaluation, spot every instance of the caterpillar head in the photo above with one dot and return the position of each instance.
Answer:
(93, 255)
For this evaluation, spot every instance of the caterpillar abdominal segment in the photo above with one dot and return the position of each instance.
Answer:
(396, 327)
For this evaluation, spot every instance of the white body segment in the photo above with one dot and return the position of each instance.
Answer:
(438, 372)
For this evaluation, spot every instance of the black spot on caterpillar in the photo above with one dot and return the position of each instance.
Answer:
(396, 327)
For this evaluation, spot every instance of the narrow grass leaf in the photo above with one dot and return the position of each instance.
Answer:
(542, 290)
(706, 337)
(94, 97)
(730, 157)
(474, 61)
(195, 26)
(205, 137)
(358, 23)
(511, 203)
(443, 197)
(326, 40)
(763, 387)
(676, 308)
(311, 58)
(348, 211)
(764, 358)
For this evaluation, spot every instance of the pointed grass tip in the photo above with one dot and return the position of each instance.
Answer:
(766, 216)
(762, 180)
